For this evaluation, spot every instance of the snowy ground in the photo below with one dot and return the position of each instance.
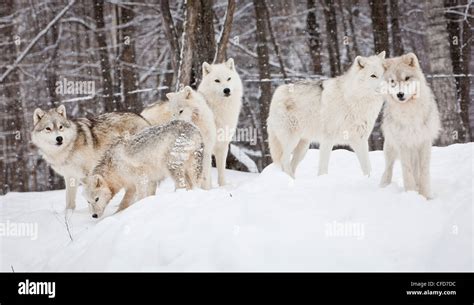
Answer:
(268, 222)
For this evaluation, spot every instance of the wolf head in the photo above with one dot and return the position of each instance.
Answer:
(97, 193)
(52, 130)
(368, 72)
(184, 104)
(220, 80)
(403, 78)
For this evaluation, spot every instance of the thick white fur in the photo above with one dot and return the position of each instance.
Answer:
(410, 125)
(340, 110)
(226, 109)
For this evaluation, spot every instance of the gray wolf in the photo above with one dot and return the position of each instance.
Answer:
(138, 162)
(73, 146)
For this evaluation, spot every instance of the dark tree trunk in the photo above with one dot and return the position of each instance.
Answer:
(397, 41)
(227, 28)
(264, 73)
(459, 31)
(378, 9)
(171, 35)
(333, 42)
(314, 40)
(128, 62)
(107, 86)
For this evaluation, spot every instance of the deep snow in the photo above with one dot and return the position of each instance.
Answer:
(268, 222)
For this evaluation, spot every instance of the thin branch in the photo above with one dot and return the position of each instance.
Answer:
(225, 33)
(35, 40)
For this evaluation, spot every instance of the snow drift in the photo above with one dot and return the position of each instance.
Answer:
(267, 222)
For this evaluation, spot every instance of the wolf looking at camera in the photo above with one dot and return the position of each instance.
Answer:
(72, 147)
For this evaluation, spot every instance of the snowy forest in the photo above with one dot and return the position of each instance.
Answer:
(131, 53)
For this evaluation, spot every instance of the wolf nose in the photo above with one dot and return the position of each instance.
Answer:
(400, 95)
(226, 91)
(94, 216)
(59, 139)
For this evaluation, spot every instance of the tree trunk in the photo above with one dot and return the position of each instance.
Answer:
(443, 86)
(264, 73)
(332, 41)
(225, 34)
(378, 9)
(459, 32)
(188, 44)
(128, 62)
(107, 86)
(397, 41)
(314, 40)
(171, 35)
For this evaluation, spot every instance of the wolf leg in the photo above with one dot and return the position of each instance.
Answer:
(127, 199)
(325, 148)
(206, 171)
(221, 150)
(390, 157)
(424, 170)
(361, 148)
(179, 177)
(71, 190)
(288, 149)
(298, 154)
(151, 188)
(406, 158)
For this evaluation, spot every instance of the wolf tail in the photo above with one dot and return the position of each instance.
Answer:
(276, 149)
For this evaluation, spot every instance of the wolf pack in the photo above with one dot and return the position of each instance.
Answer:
(177, 138)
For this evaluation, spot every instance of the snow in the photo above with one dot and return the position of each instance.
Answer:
(268, 222)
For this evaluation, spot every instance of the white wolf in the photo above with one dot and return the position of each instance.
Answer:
(339, 110)
(223, 90)
(188, 105)
(73, 147)
(410, 123)
(138, 162)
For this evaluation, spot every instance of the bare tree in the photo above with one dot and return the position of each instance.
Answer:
(443, 84)
(171, 34)
(397, 41)
(225, 33)
(107, 86)
(378, 9)
(459, 31)
(332, 41)
(314, 39)
(264, 73)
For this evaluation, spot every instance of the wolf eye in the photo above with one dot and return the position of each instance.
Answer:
(228, 79)
(181, 111)
(48, 129)
(217, 81)
(61, 127)
(96, 199)
(407, 78)
(373, 76)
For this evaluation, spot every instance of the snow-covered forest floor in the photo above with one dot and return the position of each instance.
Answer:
(268, 222)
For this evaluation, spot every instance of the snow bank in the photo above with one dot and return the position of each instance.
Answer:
(268, 222)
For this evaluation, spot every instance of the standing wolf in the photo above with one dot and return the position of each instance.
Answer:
(190, 106)
(223, 90)
(135, 163)
(73, 147)
(410, 123)
(339, 110)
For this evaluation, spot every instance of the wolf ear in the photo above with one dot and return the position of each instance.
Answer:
(230, 63)
(188, 92)
(360, 62)
(206, 68)
(61, 110)
(170, 95)
(98, 180)
(37, 115)
(411, 60)
(381, 55)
